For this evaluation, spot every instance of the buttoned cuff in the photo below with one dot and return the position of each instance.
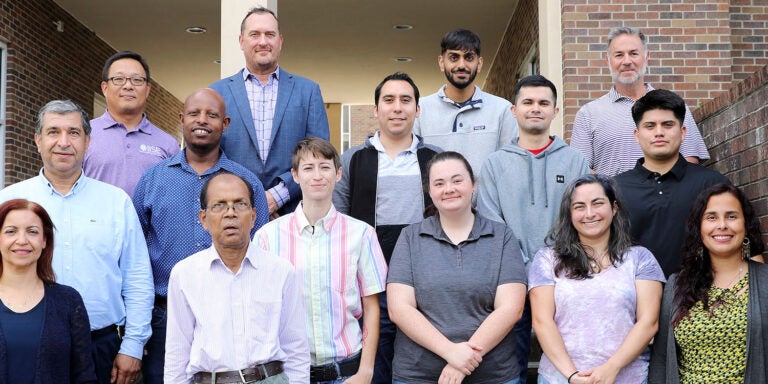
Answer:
(132, 348)
(280, 194)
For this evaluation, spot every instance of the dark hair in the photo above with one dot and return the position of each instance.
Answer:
(63, 107)
(319, 148)
(431, 210)
(534, 81)
(695, 278)
(396, 76)
(460, 40)
(206, 185)
(659, 99)
(616, 32)
(44, 266)
(123, 55)
(572, 256)
(258, 11)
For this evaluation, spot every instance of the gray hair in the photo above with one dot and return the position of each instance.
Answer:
(62, 107)
(628, 31)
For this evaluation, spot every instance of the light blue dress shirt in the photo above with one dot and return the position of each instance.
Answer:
(99, 249)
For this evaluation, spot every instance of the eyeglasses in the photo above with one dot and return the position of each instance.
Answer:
(239, 207)
(119, 81)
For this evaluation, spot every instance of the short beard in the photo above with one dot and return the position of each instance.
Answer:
(470, 80)
(618, 79)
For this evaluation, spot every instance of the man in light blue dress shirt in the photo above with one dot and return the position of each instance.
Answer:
(99, 245)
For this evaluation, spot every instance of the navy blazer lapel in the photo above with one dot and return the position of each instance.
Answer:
(284, 91)
(240, 96)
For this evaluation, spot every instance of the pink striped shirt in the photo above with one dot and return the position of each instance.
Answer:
(340, 261)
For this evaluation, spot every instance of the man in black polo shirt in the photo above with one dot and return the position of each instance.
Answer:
(659, 191)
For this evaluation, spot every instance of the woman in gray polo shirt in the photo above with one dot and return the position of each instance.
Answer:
(456, 287)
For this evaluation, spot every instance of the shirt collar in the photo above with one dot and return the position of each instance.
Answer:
(79, 184)
(302, 223)
(431, 227)
(109, 122)
(376, 143)
(475, 102)
(677, 171)
(180, 160)
(247, 74)
(615, 96)
(251, 259)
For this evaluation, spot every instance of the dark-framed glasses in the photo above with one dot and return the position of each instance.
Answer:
(239, 207)
(119, 81)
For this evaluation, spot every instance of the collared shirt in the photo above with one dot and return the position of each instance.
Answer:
(224, 321)
(263, 98)
(604, 132)
(455, 287)
(339, 260)
(485, 120)
(118, 156)
(100, 251)
(658, 206)
(167, 200)
(396, 178)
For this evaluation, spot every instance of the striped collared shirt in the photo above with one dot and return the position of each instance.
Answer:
(604, 132)
(339, 261)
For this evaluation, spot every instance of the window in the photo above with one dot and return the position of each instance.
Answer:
(346, 127)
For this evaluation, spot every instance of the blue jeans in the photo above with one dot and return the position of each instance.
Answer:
(382, 368)
(513, 381)
(154, 355)
(522, 332)
(542, 380)
(337, 381)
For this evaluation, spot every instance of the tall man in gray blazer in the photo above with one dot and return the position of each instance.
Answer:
(271, 110)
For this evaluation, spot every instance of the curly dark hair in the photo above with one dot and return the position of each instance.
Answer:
(696, 277)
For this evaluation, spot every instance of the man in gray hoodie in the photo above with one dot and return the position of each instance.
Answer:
(522, 183)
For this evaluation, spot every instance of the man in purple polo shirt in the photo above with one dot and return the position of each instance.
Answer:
(123, 141)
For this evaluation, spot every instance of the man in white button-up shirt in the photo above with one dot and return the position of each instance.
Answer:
(235, 312)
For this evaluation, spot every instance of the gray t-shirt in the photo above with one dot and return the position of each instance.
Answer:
(455, 287)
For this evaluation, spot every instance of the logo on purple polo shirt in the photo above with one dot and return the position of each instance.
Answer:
(151, 150)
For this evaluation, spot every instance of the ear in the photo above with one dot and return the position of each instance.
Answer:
(440, 63)
(104, 86)
(418, 111)
(202, 216)
(225, 124)
(375, 111)
(684, 130)
(338, 174)
(37, 142)
(636, 132)
(295, 175)
(479, 64)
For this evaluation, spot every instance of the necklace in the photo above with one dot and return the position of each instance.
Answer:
(16, 307)
(726, 295)
(596, 263)
(735, 279)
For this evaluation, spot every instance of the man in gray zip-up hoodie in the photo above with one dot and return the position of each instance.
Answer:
(522, 183)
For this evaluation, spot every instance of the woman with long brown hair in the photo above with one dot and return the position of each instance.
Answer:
(713, 326)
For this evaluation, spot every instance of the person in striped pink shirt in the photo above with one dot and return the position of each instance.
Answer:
(341, 264)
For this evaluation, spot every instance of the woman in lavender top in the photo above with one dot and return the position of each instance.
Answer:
(595, 298)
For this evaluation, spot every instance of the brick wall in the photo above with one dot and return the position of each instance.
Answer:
(362, 124)
(735, 127)
(43, 65)
(522, 33)
(749, 37)
(689, 43)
